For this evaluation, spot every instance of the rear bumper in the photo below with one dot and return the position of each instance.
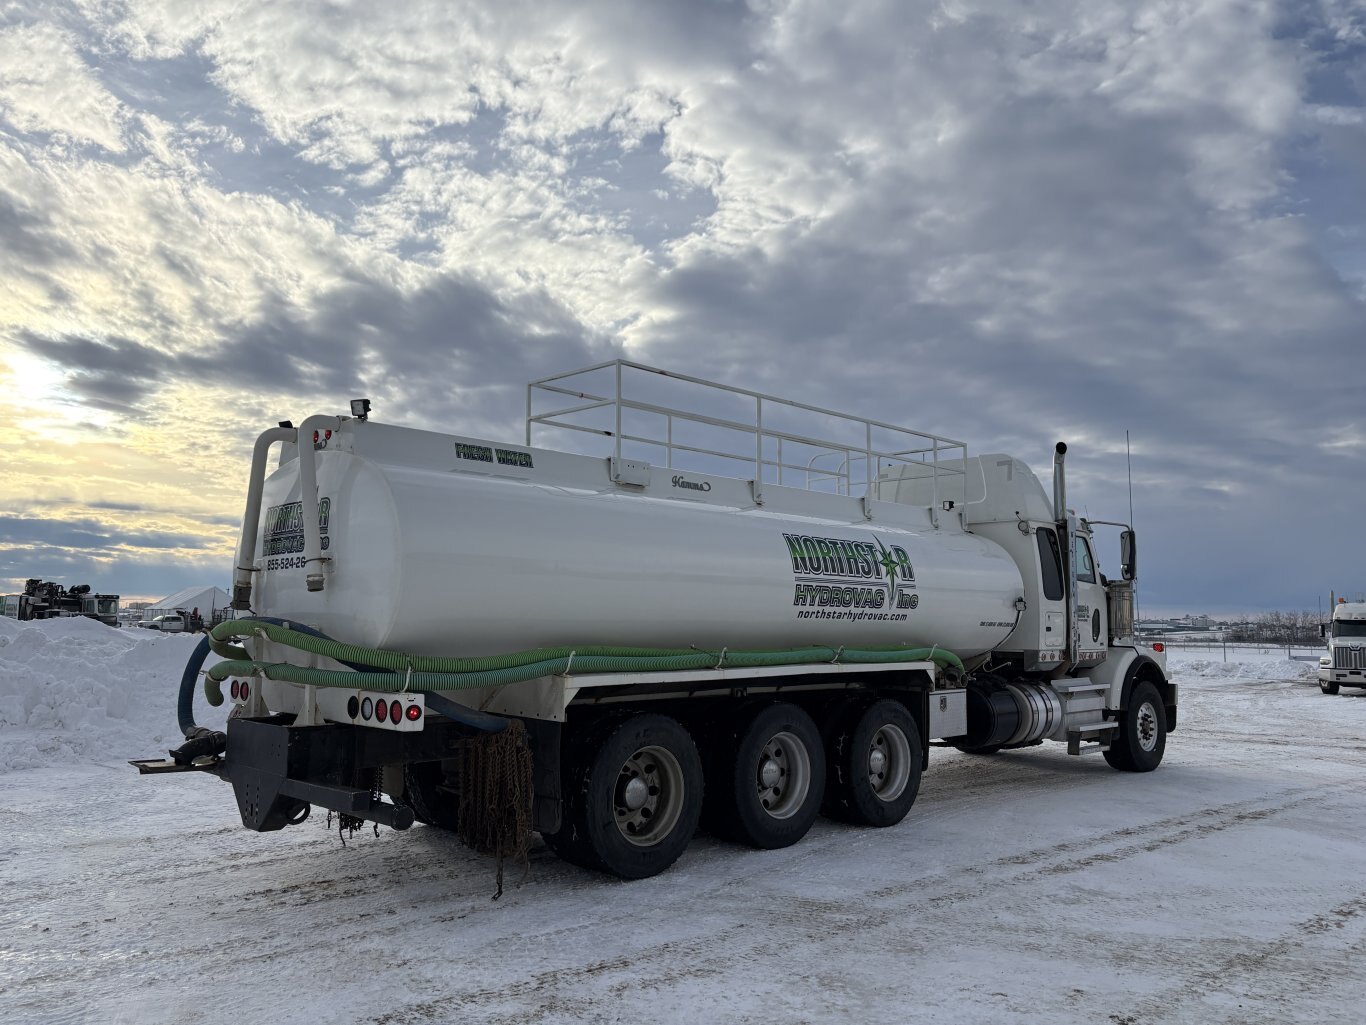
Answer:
(277, 769)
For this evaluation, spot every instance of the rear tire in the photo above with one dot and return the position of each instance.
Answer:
(421, 791)
(1329, 688)
(768, 783)
(1141, 737)
(633, 794)
(874, 766)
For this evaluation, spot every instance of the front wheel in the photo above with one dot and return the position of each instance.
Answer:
(632, 798)
(1329, 688)
(1141, 737)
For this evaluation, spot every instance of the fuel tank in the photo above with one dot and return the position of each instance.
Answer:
(437, 544)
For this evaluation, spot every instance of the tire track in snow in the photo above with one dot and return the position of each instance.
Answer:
(800, 921)
(1269, 976)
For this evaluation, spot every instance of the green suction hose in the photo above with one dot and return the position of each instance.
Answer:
(435, 673)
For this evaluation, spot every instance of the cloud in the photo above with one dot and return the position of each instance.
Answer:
(47, 88)
(89, 535)
(1009, 222)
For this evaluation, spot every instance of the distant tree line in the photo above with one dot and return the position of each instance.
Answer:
(1278, 628)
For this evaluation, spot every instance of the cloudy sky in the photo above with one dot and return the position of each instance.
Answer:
(1007, 221)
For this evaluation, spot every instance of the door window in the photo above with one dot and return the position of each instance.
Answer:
(1050, 563)
(1086, 568)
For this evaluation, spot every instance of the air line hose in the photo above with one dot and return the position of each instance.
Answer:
(433, 673)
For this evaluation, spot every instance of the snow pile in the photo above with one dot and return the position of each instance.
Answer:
(1270, 669)
(76, 690)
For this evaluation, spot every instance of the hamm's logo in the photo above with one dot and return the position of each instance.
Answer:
(834, 573)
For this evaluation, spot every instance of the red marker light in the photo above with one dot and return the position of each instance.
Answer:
(236, 689)
(381, 711)
(1159, 646)
(246, 690)
(315, 437)
(395, 711)
(327, 435)
(414, 713)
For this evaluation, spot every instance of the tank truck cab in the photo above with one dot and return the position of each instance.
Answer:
(1345, 663)
(1072, 660)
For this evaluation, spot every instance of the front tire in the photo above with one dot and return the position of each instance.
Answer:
(1329, 688)
(875, 766)
(770, 781)
(633, 795)
(1141, 737)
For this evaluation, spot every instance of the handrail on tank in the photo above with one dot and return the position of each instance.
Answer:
(926, 449)
(308, 497)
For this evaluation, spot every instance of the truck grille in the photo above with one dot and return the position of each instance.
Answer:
(1349, 658)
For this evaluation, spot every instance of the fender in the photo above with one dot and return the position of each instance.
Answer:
(1123, 669)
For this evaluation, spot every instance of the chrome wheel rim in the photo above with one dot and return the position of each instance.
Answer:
(1146, 725)
(889, 762)
(783, 775)
(648, 797)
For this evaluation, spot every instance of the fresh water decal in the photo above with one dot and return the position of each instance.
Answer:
(835, 578)
(501, 456)
(283, 543)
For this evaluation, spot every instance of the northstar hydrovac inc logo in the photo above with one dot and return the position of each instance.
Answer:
(833, 573)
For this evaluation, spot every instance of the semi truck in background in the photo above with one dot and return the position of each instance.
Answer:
(742, 610)
(1344, 664)
(43, 599)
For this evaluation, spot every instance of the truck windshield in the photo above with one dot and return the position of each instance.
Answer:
(108, 606)
(1349, 628)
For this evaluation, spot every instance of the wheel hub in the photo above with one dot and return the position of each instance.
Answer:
(635, 793)
(648, 796)
(1147, 726)
(889, 762)
(770, 773)
(783, 775)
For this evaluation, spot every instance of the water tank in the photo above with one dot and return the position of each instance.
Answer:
(434, 551)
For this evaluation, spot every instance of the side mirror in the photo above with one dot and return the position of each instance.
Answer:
(1128, 555)
(1323, 629)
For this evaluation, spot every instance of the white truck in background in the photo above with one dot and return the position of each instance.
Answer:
(1345, 663)
(743, 609)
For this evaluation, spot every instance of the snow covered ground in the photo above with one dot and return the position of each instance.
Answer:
(1024, 887)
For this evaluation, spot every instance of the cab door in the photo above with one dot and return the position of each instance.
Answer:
(1093, 632)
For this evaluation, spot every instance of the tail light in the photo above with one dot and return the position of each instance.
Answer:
(235, 689)
(246, 690)
(381, 710)
(395, 711)
(1159, 646)
(414, 713)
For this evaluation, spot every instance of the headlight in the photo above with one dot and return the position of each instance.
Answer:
(1325, 662)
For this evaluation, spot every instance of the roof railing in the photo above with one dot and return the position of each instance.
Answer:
(776, 441)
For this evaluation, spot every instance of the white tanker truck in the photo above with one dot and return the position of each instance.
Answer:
(609, 648)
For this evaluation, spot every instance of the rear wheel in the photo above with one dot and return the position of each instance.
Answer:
(768, 783)
(874, 766)
(633, 794)
(1328, 688)
(423, 784)
(1141, 737)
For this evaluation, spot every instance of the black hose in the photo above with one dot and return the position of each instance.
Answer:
(188, 679)
(199, 740)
